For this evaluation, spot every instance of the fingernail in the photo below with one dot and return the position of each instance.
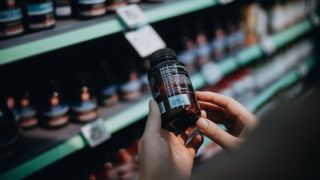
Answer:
(202, 123)
(150, 103)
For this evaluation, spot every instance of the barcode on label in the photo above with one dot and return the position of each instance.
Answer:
(162, 108)
(179, 100)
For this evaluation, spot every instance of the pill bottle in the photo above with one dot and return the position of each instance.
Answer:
(172, 90)
(10, 19)
(39, 14)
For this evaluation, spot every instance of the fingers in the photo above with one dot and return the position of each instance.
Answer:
(231, 106)
(153, 125)
(212, 131)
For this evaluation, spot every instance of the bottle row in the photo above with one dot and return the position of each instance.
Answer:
(18, 16)
(228, 29)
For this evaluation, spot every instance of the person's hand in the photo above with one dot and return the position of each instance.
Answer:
(224, 110)
(162, 154)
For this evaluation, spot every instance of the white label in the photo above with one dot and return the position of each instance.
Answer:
(267, 45)
(211, 73)
(63, 11)
(95, 133)
(132, 16)
(145, 40)
(162, 108)
(179, 100)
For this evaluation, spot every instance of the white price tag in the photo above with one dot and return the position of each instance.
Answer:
(267, 45)
(225, 1)
(132, 16)
(211, 73)
(145, 40)
(95, 133)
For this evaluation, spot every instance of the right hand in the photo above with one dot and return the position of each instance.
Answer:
(216, 108)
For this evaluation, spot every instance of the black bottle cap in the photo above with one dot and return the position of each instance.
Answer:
(162, 55)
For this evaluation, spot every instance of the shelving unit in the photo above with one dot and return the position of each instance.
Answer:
(132, 112)
(73, 32)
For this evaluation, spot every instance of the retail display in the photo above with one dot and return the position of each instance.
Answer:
(82, 71)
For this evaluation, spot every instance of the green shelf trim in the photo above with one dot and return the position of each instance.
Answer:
(25, 169)
(227, 65)
(291, 33)
(177, 9)
(29, 49)
(249, 54)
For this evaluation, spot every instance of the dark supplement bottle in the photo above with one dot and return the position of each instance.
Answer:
(83, 104)
(28, 114)
(107, 88)
(172, 90)
(90, 8)
(39, 14)
(9, 131)
(54, 108)
(10, 19)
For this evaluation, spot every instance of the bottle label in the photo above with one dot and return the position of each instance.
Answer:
(219, 44)
(27, 112)
(63, 11)
(39, 9)
(162, 108)
(56, 111)
(131, 86)
(177, 85)
(109, 90)
(91, 1)
(203, 51)
(84, 106)
(10, 15)
(179, 100)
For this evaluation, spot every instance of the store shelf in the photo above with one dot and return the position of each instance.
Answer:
(129, 114)
(72, 32)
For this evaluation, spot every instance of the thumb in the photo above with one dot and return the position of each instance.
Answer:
(154, 119)
(216, 134)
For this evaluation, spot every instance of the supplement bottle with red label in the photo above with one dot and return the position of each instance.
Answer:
(172, 90)
(10, 19)
(39, 14)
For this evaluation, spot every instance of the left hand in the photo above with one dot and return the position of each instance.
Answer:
(162, 154)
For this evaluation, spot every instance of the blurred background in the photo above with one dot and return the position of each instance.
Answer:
(66, 65)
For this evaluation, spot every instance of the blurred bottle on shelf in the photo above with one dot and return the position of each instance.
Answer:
(187, 53)
(28, 114)
(39, 15)
(130, 86)
(63, 8)
(54, 109)
(9, 131)
(106, 84)
(10, 19)
(218, 43)
(203, 49)
(83, 105)
(90, 8)
(249, 12)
